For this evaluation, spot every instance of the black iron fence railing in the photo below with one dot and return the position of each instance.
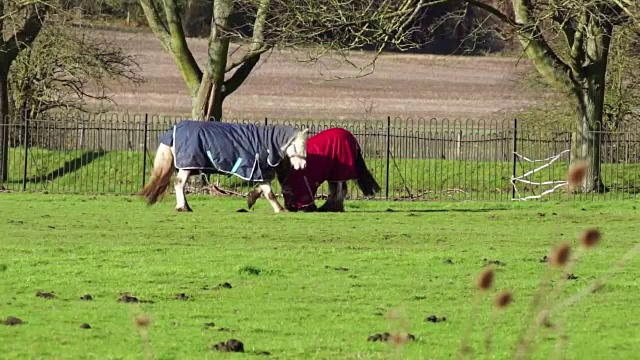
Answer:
(411, 159)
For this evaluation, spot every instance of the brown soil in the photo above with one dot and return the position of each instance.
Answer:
(224, 285)
(386, 337)
(493, 262)
(403, 85)
(182, 296)
(12, 320)
(435, 319)
(232, 345)
(45, 295)
(127, 298)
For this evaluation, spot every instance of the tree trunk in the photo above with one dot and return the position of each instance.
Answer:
(591, 104)
(4, 125)
(588, 137)
(207, 103)
(586, 146)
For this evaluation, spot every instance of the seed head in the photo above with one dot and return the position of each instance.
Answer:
(576, 173)
(597, 287)
(399, 338)
(590, 238)
(143, 321)
(543, 318)
(393, 315)
(560, 255)
(485, 280)
(504, 299)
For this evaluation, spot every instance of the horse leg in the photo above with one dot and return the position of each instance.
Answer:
(268, 193)
(340, 196)
(180, 182)
(253, 196)
(329, 204)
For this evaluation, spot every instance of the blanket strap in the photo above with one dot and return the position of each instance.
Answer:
(236, 165)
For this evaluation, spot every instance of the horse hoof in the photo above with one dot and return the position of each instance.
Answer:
(310, 208)
(184, 209)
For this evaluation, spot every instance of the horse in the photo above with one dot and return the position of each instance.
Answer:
(247, 151)
(333, 155)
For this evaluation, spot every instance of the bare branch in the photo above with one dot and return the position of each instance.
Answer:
(246, 57)
(240, 75)
(65, 67)
(173, 40)
(2, 9)
(257, 43)
(156, 24)
(493, 11)
(577, 53)
(24, 35)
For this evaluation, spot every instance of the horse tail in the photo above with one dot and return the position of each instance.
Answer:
(160, 176)
(366, 182)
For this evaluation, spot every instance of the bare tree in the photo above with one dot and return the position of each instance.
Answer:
(622, 89)
(20, 23)
(263, 25)
(45, 64)
(569, 44)
(64, 67)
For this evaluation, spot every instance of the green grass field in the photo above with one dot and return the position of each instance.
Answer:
(304, 286)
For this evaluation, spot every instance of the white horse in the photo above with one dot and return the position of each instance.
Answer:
(269, 144)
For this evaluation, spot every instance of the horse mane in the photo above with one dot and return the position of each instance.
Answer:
(300, 136)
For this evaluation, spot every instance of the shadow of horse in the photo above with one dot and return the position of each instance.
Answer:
(69, 166)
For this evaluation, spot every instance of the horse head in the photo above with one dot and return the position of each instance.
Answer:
(296, 194)
(296, 150)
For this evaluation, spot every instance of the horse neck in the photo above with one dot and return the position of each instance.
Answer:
(283, 169)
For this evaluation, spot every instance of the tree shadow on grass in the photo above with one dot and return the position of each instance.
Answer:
(68, 167)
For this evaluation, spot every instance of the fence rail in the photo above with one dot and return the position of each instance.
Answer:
(411, 159)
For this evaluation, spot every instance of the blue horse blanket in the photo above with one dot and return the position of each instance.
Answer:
(245, 150)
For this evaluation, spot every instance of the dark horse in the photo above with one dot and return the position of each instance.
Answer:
(333, 155)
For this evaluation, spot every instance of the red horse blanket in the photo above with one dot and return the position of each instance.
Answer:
(331, 156)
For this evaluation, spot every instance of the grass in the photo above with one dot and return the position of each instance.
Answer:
(291, 295)
(432, 179)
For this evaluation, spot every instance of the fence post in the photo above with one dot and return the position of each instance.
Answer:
(388, 156)
(26, 151)
(458, 145)
(515, 157)
(144, 156)
(266, 121)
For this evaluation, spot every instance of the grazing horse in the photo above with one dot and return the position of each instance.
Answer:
(333, 155)
(247, 151)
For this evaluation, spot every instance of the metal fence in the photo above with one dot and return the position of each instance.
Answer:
(424, 159)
